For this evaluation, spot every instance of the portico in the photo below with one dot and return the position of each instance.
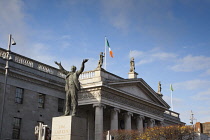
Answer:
(121, 103)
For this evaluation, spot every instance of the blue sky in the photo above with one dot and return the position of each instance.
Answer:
(170, 41)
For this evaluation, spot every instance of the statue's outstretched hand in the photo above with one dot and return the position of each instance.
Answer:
(57, 63)
(85, 60)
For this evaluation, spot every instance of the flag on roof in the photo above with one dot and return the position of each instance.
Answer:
(171, 88)
(110, 51)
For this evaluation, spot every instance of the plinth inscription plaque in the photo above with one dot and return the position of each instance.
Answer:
(68, 128)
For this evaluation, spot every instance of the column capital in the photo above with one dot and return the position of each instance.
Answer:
(116, 110)
(140, 117)
(128, 114)
(99, 105)
(162, 123)
(152, 121)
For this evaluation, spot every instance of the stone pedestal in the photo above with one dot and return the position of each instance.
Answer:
(132, 75)
(69, 128)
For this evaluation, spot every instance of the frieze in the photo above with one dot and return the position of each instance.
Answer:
(115, 98)
(90, 94)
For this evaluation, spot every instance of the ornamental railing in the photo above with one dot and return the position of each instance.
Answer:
(24, 61)
(87, 74)
(171, 114)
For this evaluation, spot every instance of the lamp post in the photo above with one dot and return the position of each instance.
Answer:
(7, 57)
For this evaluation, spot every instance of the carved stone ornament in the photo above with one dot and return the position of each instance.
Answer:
(141, 117)
(99, 105)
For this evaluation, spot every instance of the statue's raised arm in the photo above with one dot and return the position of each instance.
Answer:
(61, 68)
(82, 67)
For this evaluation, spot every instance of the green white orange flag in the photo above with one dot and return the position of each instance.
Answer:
(110, 51)
(171, 88)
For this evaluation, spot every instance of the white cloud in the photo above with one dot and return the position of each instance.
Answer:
(151, 56)
(12, 19)
(188, 63)
(207, 72)
(192, 85)
(192, 63)
(164, 55)
(67, 63)
(177, 102)
(205, 95)
(136, 54)
(40, 53)
(68, 37)
(145, 61)
(117, 13)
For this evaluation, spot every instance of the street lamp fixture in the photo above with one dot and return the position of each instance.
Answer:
(7, 58)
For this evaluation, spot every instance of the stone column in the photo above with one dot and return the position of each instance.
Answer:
(127, 119)
(151, 122)
(139, 123)
(162, 123)
(99, 121)
(114, 119)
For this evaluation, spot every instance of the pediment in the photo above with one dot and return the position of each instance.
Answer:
(134, 90)
(141, 90)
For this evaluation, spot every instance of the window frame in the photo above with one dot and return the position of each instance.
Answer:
(41, 100)
(60, 105)
(19, 93)
(16, 128)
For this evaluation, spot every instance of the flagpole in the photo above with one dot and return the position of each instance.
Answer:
(105, 53)
(171, 88)
(172, 101)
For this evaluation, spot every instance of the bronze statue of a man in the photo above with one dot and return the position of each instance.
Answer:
(72, 87)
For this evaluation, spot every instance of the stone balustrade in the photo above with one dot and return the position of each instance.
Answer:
(171, 114)
(87, 74)
(45, 68)
(3, 53)
(24, 61)
(40, 66)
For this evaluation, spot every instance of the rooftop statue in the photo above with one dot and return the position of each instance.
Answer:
(72, 87)
(132, 65)
(100, 61)
(159, 87)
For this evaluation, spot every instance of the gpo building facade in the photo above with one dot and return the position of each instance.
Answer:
(35, 93)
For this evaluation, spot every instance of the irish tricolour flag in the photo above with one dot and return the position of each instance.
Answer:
(110, 51)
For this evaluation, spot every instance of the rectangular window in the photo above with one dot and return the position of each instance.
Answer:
(16, 128)
(19, 95)
(60, 104)
(41, 100)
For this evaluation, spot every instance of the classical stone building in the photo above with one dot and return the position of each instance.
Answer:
(35, 93)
